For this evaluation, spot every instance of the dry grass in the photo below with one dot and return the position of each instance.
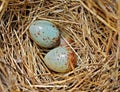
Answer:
(94, 26)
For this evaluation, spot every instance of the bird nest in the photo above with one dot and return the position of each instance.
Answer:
(94, 26)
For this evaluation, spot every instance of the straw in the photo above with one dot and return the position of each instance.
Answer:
(94, 27)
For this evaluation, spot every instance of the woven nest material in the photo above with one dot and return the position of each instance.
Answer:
(94, 26)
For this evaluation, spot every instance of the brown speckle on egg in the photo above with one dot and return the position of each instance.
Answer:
(72, 59)
(35, 35)
(38, 33)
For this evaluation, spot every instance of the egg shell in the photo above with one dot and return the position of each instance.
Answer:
(44, 33)
(65, 39)
(60, 59)
(64, 43)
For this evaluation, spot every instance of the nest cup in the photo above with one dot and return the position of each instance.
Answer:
(94, 28)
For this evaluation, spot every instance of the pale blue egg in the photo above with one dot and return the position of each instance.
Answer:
(44, 33)
(58, 59)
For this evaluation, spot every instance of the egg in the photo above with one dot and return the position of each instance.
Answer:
(44, 33)
(60, 59)
(67, 38)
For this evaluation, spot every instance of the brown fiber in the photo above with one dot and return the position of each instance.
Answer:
(94, 26)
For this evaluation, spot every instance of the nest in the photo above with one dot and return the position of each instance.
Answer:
(94, 26)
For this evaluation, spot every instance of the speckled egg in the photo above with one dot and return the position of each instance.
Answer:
(44, 33)
(60, 59)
